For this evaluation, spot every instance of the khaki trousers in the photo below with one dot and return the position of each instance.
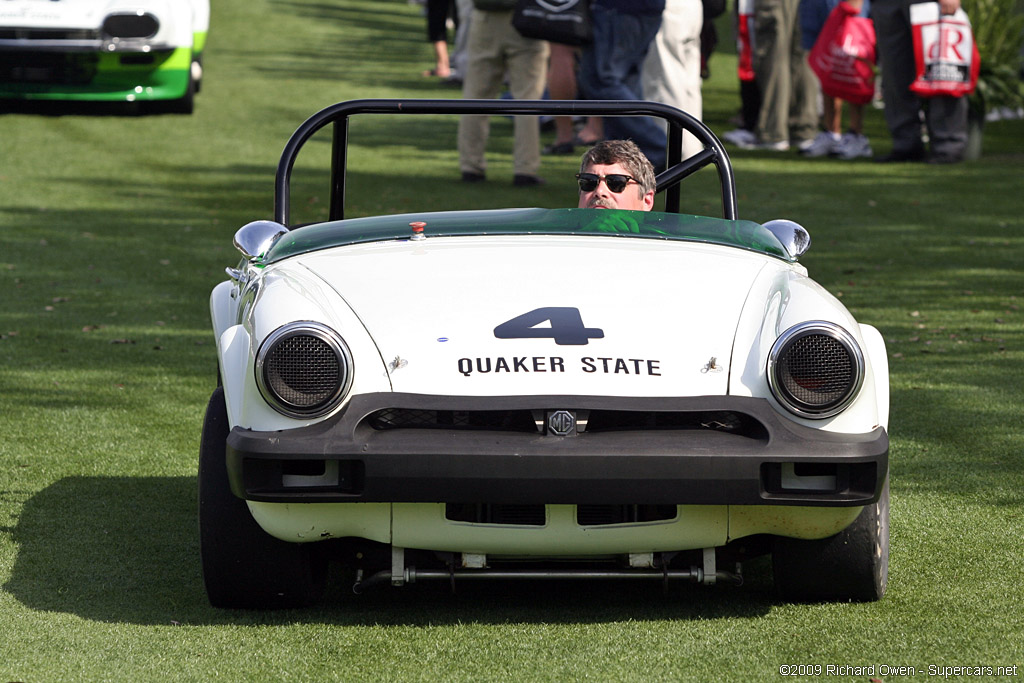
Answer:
(671, 72)
(496, 50)
(789, 89)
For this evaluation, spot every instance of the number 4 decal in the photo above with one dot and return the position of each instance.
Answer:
(566, 327)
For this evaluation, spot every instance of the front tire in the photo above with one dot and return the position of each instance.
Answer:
(243, 566)
(853, 565)
(186, 104)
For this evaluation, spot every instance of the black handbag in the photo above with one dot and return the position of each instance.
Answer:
(558, 21)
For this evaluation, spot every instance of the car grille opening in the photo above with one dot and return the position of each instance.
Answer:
(719, 421)
(536, 515)
(52, 68)
(484, 513)
(135, 25)
(599, 515)
(597, 421)
(495, 420)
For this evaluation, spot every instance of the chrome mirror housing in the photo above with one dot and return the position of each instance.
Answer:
(794, 237)
(254, 239)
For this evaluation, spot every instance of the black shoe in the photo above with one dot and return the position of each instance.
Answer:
(469, 177)
(945, 159)
(560, 148)
(901, 156)
(527, 180)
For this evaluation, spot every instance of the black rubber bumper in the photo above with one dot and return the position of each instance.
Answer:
(687, 466)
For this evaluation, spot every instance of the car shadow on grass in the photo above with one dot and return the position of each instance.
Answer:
(126, 550)
(59, 108)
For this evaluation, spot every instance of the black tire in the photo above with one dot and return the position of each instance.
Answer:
(853, 565)
(186, 104)
(243, 566)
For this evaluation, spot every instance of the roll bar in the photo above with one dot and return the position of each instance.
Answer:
(668, 180)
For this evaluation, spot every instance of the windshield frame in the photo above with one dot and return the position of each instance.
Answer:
(657, 225)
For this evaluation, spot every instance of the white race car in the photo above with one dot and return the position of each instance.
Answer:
(511, 393)
(103, 50)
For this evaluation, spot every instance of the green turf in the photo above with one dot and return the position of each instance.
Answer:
(115, 226)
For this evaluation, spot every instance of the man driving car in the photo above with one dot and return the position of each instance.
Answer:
(615, 174)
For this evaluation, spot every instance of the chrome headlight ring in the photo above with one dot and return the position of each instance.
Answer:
(815, 369)
(304, 369)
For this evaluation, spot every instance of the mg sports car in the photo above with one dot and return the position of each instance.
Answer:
(103, 50)
(521, 394)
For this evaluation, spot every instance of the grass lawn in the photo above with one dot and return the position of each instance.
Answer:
(114, 227)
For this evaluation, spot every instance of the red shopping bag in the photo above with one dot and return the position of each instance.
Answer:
(945, 52)
(843, 57)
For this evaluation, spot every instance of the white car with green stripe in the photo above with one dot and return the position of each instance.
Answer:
(103, 50)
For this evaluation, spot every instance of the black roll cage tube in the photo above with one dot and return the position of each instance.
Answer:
(667, 181)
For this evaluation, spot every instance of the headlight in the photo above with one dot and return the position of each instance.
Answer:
(304, 369)
(815, 369)
(134, 25)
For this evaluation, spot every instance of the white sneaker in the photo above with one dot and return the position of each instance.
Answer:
(780, 146)
(823, 145)
(852, 146)
(740, 137)
(745, 139)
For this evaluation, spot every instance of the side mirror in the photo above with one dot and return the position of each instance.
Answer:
(254, 239)
(794, 237)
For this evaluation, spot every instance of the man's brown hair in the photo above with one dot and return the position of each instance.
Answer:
(626, 153)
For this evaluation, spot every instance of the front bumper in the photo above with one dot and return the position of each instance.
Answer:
(708, 450)
(97, 76)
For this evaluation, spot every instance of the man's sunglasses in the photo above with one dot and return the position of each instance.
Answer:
(616, 182)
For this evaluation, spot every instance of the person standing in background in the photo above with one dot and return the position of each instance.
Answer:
(788, 87)
(460, 51)
(946, 116)
(438, 12)
(832, 141)
(610, 67)
(750, 96)
(497, 50)
(562, 86)
(672, 70)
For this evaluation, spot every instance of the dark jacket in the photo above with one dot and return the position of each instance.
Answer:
(633, 6)
(495, 5)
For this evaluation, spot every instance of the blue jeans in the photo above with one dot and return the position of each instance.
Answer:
(610, 70)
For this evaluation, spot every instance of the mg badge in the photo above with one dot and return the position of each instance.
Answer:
(562, 423)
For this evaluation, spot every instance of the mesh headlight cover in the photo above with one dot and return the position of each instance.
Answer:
(303, 369)
(815, 369)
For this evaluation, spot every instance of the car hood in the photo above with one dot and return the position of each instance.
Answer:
(546, 315)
